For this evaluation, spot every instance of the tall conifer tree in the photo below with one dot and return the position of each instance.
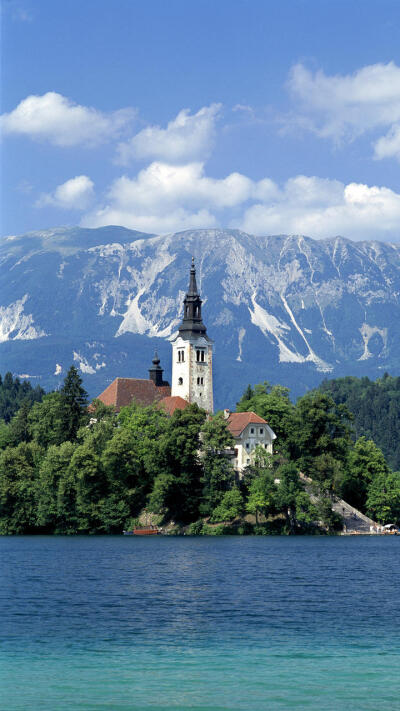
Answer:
(74, 404)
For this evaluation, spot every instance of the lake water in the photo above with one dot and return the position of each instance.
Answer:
(210, 624)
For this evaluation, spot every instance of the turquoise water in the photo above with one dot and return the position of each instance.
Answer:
(120, 623)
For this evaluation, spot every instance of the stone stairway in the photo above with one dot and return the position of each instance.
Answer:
(353, 520)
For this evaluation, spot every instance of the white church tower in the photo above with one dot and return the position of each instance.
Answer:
(192, 353)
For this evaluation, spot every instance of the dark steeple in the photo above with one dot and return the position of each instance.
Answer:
(156, 372)
(192, 324)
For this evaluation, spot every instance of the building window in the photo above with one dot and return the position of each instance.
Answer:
(247, 461)
(236, 452)
(252, 430)
(180, 381)
(200, 381)
(261, 431)
(181, 356)
(200, 356)
(247, 445)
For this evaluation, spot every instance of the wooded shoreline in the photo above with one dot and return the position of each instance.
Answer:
(65, 470)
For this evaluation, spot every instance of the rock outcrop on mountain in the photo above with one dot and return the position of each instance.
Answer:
(288, 309)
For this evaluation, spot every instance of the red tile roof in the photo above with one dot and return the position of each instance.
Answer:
(122, 391)
(172, 403)
(238, 421)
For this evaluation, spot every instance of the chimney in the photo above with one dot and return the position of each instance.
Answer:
(226, 413)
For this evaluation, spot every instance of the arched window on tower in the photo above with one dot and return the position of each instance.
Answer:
(180, 381)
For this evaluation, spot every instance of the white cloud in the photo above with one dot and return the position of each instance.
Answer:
(324, 208)
(54, 118)
(389, 146)
(166, 198)
(76, 193)
(343, 107)
(188, 137)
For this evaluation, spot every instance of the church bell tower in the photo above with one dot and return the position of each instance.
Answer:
(192, 353)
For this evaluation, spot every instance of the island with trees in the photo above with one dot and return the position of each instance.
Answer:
(70, 467)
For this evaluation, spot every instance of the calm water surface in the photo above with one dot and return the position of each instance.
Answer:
(209, 624)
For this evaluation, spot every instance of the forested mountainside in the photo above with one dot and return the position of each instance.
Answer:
(376, 410)
(286, 308)
(14, 392)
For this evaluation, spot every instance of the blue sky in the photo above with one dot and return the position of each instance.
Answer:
(268, 116)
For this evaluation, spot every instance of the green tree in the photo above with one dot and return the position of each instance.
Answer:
(365, 464)
(328, 474)
(323, 428)
(180, 477)
(5, 439)
(13, 393)
(218, 474)
(91, 486)
(147, 425)
(261, 497)
(383, 498)
(113, 514)
(19, 426)
(53, 470)
(291, 498)
(46, 421)
(127, 473)
(18, 488)
(74, 401)
(231, 506)
(273, 404)
(329, 518)
(67, 509)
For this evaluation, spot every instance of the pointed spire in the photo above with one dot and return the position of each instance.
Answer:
(192, 284)
(192, 324)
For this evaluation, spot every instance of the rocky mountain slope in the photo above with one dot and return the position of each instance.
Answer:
(287, 309)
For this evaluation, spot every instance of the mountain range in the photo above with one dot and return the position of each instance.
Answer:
(287, 309)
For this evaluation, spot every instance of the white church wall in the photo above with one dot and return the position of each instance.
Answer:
(191, 374)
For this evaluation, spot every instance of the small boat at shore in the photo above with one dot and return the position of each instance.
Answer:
(390, 530)
(144, 531)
